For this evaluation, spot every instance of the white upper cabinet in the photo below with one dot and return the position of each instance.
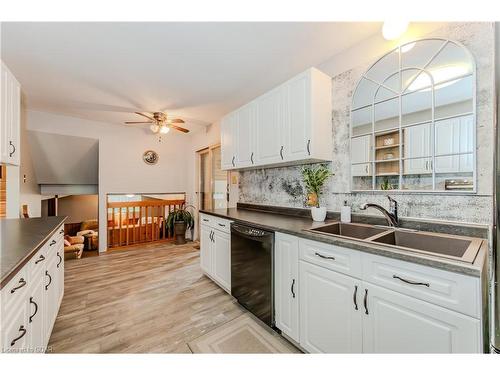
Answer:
(269, 128)
(245, 142)
(10, 116)
(287, 125)
(229, 132)
(361, 148)
(418, 149)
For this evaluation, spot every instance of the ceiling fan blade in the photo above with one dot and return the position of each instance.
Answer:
(147, 116)
(179, 128)
(139, 122)
(177, 121)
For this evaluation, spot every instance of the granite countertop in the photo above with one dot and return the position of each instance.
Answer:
(20, 239)
(297, 225)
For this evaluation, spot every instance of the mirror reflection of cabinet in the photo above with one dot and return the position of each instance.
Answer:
(413, 120)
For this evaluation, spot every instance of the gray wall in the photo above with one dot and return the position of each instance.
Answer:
(78, 207)
(283, 187)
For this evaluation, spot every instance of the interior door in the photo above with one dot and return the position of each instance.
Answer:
(286, 279)
(270, 142)
(222, 259)
(330, 314)
(397, 323)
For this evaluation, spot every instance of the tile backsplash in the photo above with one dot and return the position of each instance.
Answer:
(283, 186)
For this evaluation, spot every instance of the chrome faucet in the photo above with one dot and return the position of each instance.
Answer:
(391, 215)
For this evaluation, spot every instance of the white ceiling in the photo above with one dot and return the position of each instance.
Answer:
(102, 71)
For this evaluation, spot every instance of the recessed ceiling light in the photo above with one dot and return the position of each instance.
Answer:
(394, 29)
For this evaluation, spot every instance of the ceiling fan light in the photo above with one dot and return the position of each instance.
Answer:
(154, 128)
(164, 129)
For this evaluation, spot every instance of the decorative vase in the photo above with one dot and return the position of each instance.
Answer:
(318, 213)
(180, 232)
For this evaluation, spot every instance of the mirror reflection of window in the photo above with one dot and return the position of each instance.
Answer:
(418, 101)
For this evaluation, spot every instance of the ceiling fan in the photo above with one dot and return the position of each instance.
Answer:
(160, 123)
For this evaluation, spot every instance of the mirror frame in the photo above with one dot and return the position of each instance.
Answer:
(432, 122)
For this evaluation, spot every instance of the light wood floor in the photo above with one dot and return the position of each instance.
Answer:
(149, 299)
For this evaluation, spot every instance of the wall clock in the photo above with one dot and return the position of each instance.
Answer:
(150, 157)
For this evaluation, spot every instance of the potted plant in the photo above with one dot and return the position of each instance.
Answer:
(314, 179)
(178, 221)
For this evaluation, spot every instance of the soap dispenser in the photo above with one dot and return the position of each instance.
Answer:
(345, 213)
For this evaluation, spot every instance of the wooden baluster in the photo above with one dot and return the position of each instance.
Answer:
(120, 224)
(163, 223)
(127, 225)
(152, 224)
(133, 224)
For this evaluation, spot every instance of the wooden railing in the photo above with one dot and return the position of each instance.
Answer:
(131, 223)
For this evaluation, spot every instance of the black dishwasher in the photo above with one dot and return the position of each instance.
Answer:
(252, 261)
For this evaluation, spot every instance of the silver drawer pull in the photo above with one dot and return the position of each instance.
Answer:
(324, 256)
(411, 282)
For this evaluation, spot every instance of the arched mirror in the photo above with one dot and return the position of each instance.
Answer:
(413, 120)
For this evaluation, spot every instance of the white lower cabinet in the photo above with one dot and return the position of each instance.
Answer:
(396, 323)
(36, 321)
(206, 248)
(341, 312)
(31, 300)
(286, 284)
(215, 250)
(329, 320)
(222, 259)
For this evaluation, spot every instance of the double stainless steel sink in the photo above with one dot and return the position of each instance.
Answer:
(460, 248)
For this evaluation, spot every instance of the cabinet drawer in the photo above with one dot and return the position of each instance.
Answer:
(222, 224)
(15, 290)
(207, 220)
(454, 291)
(333, 257)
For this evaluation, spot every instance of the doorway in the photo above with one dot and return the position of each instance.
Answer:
(212, 181)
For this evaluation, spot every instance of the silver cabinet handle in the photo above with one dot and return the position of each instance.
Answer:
(232, 161)
(222, 225)
(292, 288)
(61, 231)
(60, 259)
(324, 256)
(365, 301)
(52, 243)
(13, 149)
(411, 282)
(355, 297)
(281, 152)
(366, 168)
(251, 158)
(205, 219)
(308, 147)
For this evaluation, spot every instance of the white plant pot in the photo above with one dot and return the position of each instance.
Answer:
(318, 214)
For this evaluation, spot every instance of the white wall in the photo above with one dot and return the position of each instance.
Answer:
(121, 169)
(78, 207)
(29, 188)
